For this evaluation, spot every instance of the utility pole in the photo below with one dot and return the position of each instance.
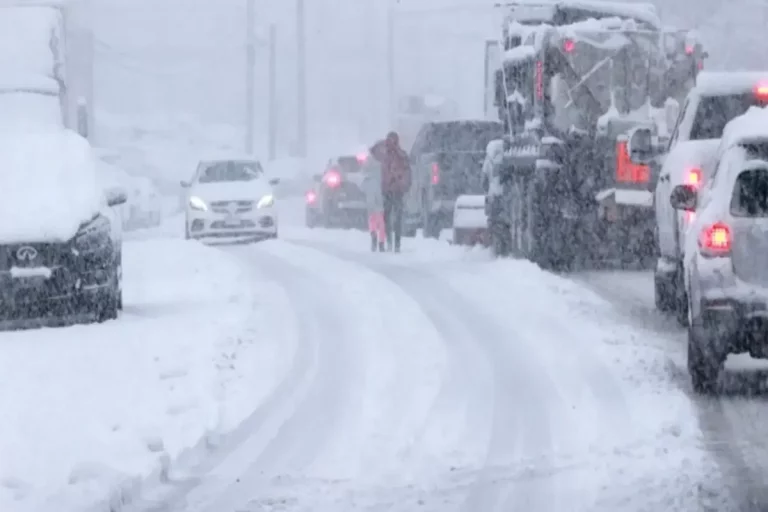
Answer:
(250, 75)
(391, 61)
(272, 91)
(301, 81)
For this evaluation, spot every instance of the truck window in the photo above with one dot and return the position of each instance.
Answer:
(715, 112)
(461, 136)
(519, 92)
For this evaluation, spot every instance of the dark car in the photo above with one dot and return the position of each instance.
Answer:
(447, 161)
(337, 199)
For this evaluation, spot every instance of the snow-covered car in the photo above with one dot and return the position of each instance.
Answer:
(61, 241)
(725, 265)
(470, 223)
(717, 98)
(230, 198)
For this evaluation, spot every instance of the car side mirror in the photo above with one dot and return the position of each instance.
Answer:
(640, 145)
(185, 184)
(684, 197)
(274, 181)
(116, 198)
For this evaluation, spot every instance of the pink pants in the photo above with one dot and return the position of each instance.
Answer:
(376, 225)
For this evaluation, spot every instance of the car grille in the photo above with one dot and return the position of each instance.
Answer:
(232, 206)
(35, 255)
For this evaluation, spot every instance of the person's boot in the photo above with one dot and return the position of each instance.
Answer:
(373, 242)
(381, 247)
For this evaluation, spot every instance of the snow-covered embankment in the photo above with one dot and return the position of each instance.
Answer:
(90, 411)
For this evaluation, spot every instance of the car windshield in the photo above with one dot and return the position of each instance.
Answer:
(462, 136)
(715, 112)
(349, 164)
(230, 171)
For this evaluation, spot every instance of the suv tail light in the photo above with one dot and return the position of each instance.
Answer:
(761, 91)
(311, 197)
(715, 240)
(332, 178)
(435, 173)
(694, 177)
(628, 171)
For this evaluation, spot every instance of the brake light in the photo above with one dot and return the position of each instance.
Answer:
(628, 171)
(715, 240)
(311, 197)
(569, 45)
(539, 79)
(362, 157)
(689, 49)
(332, 178)
(761, 91)
(435, 173)
(694, 177)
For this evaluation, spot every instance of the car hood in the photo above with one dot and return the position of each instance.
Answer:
(232, 191)
(48, 184)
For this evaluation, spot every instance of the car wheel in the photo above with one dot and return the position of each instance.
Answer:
(703, 365)
(663, 293)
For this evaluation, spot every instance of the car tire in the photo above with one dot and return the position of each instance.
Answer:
(703, 367)
(664, 293)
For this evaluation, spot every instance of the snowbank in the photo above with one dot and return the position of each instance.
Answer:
(88, 410)
(49, 185)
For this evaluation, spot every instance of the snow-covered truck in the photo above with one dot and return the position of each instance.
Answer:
(46, 49)
(415, 110)
(575, 79)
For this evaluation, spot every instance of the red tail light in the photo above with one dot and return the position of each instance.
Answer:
(761, 91)
(435, 173)
(628, 171)
(362, 157)
(569, 45)
(539, 79)
(311, 197)
(694, 177)
(715, 240)
(332, 178)
(689, 49)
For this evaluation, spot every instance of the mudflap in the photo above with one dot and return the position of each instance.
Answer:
(628, 238)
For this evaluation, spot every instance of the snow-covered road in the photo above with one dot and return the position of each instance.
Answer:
(453, 382)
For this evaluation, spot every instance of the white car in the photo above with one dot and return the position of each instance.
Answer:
(725, 266)
(230, 199)
(61, 243)
(717, 98)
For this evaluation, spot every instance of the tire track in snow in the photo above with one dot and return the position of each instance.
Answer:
(275, 437)
(520, 426)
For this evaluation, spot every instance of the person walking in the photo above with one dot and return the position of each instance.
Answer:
(395, 183)
(374, 197)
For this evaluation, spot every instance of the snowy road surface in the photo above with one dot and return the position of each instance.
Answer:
(307, 374)
(452, 382)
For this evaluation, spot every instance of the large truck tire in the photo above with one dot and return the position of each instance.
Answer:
(500, 236)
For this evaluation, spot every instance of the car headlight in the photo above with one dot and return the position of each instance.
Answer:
(266, 201)
(93, 236)
(197, 204)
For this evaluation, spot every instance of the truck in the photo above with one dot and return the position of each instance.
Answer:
(46, 50)
(575, 82)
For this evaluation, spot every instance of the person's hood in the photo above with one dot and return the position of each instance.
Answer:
(48, 183)
(232, 190)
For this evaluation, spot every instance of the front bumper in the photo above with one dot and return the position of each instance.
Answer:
(260, 223)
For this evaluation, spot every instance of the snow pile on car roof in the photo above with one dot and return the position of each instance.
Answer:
(34, 30)
(752, 124)
(48, 185)
(711, 83)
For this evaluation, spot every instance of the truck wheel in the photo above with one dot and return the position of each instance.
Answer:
(540, 230)
(680, 299)
(703, 365)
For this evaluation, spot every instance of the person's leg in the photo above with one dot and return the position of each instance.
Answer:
(397, 214)
(381, 231)
(388, 219)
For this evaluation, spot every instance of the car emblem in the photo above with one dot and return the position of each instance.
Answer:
(26, 253)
